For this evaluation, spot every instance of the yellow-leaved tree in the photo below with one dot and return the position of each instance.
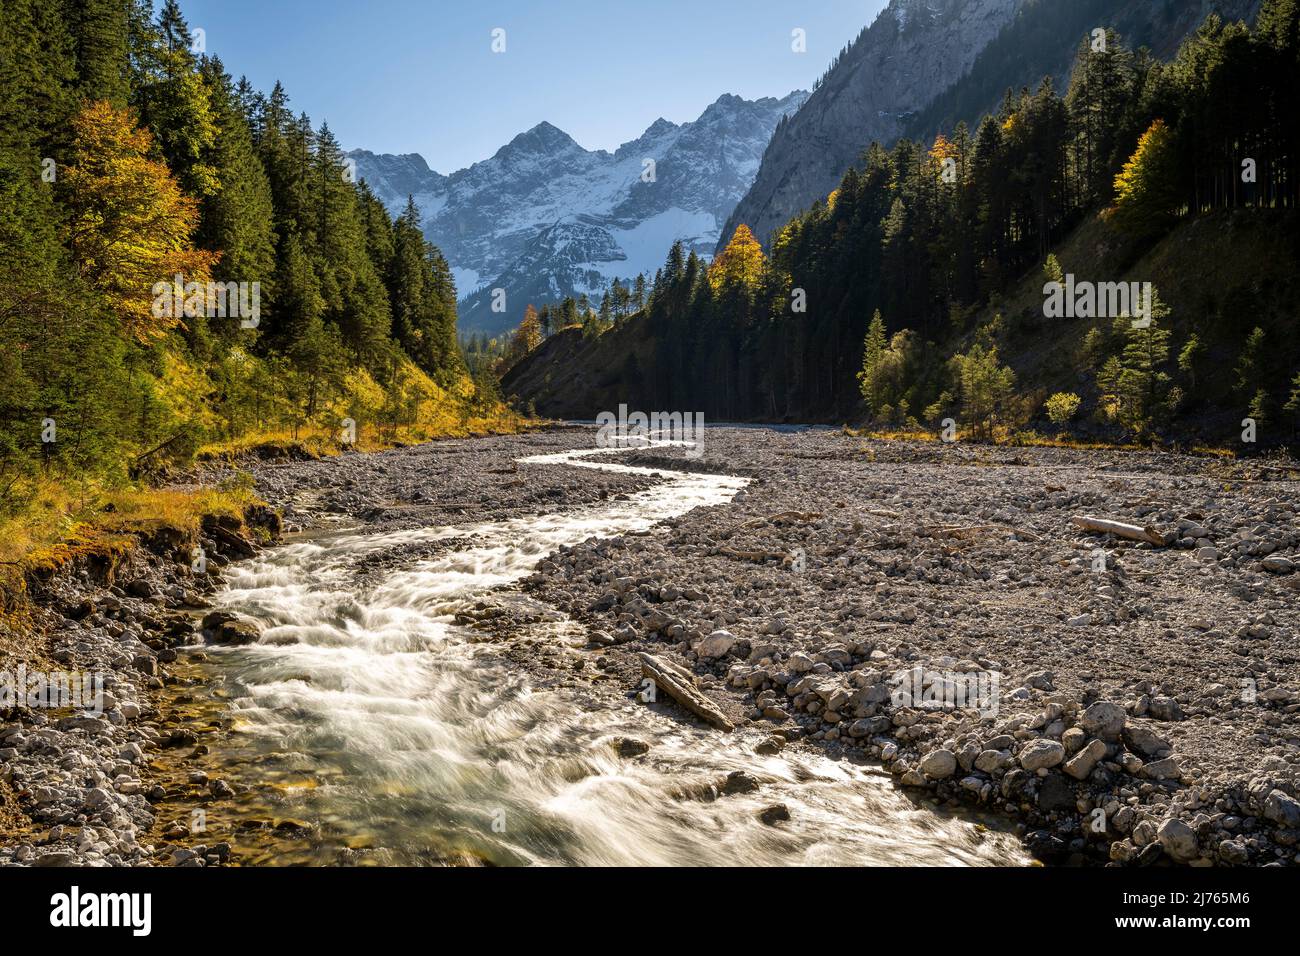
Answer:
(129, 224)
(740, 265)
(529, 334)
(1146, 189)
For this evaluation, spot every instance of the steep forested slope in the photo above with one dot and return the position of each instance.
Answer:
(1136, 174)
(922, 67)
(184, 261)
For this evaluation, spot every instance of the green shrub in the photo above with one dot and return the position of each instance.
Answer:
(1062, 407)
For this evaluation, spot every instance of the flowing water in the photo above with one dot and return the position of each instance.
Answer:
(370, 728)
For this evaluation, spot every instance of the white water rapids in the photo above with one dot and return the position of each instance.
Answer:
(419, 739)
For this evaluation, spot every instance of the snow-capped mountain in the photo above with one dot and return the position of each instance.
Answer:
(545, 218)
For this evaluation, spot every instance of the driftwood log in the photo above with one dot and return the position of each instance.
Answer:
(1119, 529)
(679, 684)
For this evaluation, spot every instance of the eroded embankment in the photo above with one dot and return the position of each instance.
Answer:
(91, 631)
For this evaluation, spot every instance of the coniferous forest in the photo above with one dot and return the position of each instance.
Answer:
(291, 305)
(914, 291)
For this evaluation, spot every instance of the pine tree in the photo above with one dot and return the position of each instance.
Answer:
(353, 292)
(1100, 83)
(423, 299)
(1143, 384)
(1052, 270)
(1292, 406)
(174, 102)
(985, 388)
(237, 219)
(102, 30)
(37, 54)
(872, 351)
(1249, 370)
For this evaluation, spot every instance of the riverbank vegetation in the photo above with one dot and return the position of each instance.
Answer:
(186, 265)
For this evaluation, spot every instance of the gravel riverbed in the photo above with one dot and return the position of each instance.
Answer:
(1129, 703)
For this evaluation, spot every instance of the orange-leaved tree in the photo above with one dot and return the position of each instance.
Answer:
(129, 224)
(528, 336)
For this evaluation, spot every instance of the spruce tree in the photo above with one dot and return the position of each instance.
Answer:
(102, 30)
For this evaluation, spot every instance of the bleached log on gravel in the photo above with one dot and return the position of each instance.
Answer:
(679, 684)
(1279, 469)
(1132, 532)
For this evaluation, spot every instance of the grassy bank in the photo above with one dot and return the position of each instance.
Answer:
(63, 519)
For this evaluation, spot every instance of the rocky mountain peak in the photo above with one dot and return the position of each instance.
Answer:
(545, 218)
(544, 139)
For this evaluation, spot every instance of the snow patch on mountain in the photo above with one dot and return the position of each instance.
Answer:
(645, 244)
(544, 218)
(467, 280)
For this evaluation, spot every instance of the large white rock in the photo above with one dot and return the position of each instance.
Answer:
(939, 764)
(1178, 840)
(1103, 719)
(716, 644)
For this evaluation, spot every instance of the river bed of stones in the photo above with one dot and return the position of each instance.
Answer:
(1146, 695)
(82, 785)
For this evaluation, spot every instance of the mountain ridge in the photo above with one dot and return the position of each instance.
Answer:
(544, 217)
(894, 67)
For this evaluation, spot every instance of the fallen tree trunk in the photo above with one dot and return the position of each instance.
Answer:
(1279, 469)
(1132, 532)
(679, 684)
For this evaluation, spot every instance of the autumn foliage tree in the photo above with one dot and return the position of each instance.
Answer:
(529, 334)
(1146, 189)
(740, 265)
(524, 339)
(129, 225)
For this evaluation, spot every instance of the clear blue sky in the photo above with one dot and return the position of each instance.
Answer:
(398, 76)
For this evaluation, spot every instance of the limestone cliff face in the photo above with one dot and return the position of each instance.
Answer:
(917, 50)
(912, 52)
